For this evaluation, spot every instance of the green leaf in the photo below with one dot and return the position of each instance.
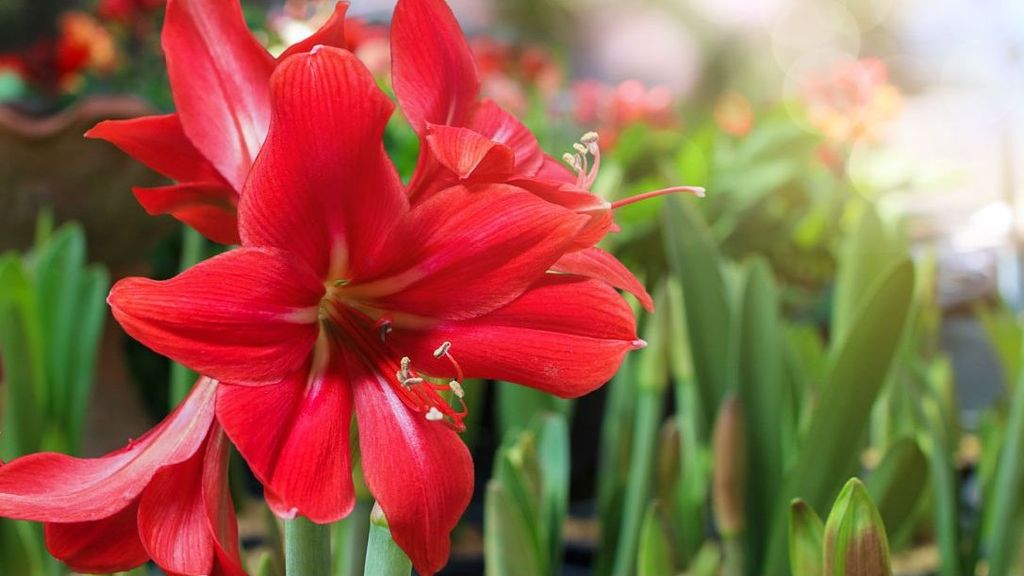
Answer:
(855, 539)
(898, 482)
(694, 260)
(655, 555)
(1003, 525)
(652, 379)
(509, 547)
(762, 391)
(88, 328)
(938, 445)
(553, 453)
(858, 366)
(867, 252)
(694, 160)
(613, 462)
(1005, 333)
(21, 345)
(806, 536)
(518, 405)
(690, 502)
(59, 266)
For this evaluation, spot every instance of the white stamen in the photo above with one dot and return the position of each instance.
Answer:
(456, 389)
(580, 148)
(434, 414)
(589, 138)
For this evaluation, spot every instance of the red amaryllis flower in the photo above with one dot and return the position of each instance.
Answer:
(163, 497)
(466, 140)
(220, 78)
(344, 298)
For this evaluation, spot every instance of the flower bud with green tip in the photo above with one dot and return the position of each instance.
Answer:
(855, 540)
(805, 540)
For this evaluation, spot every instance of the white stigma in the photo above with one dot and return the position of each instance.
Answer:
(442, 349)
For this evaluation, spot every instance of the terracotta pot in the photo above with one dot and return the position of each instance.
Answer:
(46, 162)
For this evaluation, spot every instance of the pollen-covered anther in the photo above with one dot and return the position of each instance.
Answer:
(424, 394)
(456, 389)
(586, 169)
(410, 382)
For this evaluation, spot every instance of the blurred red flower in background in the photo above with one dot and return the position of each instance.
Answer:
(55, 65)
(734, 115)
(613, 108)
(127, 11)
(852, 100)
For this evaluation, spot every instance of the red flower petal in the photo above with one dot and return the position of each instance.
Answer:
(601, 220)
(566, 336)
(172, 519)
(555, 172)
(433, 70)
(175, 522)
(469, 155)
(294, 435)
(207, 207)
(497, 124)
(332, 33)
(160, 143)
(324, 188)
(419, 471)
(473, 250)
(101, 546)
(598, 264)
(246, 316)
(52, 487)
(219, 75)
(220, 509)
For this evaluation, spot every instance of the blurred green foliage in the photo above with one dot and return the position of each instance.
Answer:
(52, 311)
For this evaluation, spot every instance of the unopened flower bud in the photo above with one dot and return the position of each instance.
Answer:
(855, 540)
(729, 473)
(805, 540)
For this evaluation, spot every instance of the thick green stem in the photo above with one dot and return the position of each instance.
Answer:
(350, 537)
(383, 556)
(307, 548)
(193, 248)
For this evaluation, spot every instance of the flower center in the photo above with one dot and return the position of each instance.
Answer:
(366, 335)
